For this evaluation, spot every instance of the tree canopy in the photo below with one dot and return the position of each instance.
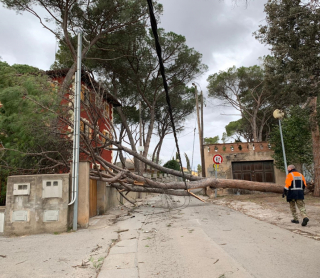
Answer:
(243, 88)
(25, 123)
(296, 136)
(292, 31)
(211, 140)
(96, 20)
(172, 164)
(131, 73)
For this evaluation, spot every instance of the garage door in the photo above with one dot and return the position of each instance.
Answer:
(261, 171)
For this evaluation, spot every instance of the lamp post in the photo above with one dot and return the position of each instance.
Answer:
(278, 114)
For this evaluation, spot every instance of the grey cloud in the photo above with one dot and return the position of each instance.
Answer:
(24, 41)
(217, 29)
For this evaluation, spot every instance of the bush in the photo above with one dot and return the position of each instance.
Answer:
(172, 164)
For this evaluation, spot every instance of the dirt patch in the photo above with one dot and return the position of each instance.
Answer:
(274, 209)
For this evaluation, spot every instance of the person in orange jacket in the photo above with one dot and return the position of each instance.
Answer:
(294, 190)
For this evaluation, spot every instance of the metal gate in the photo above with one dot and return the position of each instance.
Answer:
(260, 171)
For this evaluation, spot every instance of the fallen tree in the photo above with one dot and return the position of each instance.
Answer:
(124, 180)
(93, 143)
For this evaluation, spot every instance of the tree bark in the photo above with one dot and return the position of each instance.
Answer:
(133, 146)
(315, 146)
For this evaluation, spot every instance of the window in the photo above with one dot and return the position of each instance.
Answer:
(107, 110)
(106, 134)
(22, 187)
(48, 183)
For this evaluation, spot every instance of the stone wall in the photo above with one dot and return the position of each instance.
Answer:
(37, 204)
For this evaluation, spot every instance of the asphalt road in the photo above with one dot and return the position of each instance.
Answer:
(205, 240)
(191, 240)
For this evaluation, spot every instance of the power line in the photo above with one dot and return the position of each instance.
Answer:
(165, 84)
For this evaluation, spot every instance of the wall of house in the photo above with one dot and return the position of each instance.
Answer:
(36, 204)
(32, 207)
(109, 197)
(236, 152)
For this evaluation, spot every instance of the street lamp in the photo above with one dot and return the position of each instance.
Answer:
(278, 114)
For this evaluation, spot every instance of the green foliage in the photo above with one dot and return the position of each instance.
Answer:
(239, 128)
(199, 169)
(211, 140)
(25, 122)
(292, 32)
(3, 186)
(296, 136)
(243, 88)
(224, 137)
(172, 164)
(188, 162)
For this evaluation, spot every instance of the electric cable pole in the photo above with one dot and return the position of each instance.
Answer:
(203, 166)
(200, 128)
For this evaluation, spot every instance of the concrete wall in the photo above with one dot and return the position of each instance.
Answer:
(2, 212)
(28, 213)
(109, 197)
(34, 212)
(235, 152)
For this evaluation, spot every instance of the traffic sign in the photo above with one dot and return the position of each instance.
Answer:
(217, 159)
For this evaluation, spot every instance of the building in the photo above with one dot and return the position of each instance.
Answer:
(97, 101)
(40, 203)
(243, 161)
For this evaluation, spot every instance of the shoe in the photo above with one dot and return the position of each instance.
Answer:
(295, 221)
(305, 221)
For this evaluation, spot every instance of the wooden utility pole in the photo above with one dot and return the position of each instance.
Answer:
(200, 128)
(203, 166)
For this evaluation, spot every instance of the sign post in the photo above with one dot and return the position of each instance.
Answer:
(217, 160)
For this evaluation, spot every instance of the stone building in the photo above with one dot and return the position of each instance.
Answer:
(243, 161)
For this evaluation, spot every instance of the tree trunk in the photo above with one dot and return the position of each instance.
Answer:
(133, 146)
(254, 127)
(68, 79)
(158, 151)
(315, 146)
(149, 133)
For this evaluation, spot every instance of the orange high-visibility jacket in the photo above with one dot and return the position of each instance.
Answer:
(295, 185)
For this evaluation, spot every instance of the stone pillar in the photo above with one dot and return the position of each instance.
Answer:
(83, 202)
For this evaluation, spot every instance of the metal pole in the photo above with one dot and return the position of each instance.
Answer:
(77, 137)
(283, 150)
(216, 172)
(203, 166)
(74, 142)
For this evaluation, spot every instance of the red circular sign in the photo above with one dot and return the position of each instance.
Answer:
(217, 159)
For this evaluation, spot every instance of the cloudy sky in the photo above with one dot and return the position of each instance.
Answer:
(220, 30)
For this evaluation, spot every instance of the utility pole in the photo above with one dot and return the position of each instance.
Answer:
(200, 128)
(76, 137)
(203, 166)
